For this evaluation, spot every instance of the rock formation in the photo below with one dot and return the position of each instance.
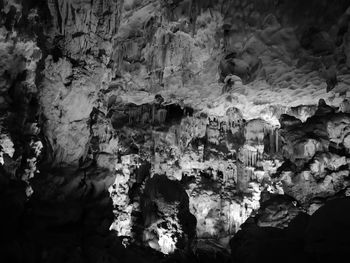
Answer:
(174, 131)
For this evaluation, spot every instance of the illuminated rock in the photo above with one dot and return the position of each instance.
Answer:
(168, 223)
(7, 146)
(172, 123)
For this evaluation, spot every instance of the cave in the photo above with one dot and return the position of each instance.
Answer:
(174, 131)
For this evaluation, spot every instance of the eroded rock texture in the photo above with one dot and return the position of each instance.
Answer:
(140, 131)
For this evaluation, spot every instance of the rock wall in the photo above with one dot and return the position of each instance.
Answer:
(185, 119)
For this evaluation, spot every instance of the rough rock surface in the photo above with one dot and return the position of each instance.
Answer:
(132, 129)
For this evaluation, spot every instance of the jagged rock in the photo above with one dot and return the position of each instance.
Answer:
(345, 106)
(303, 186)
(87, 27)
(289, 122)
(119, 193)
(316, 134)
(107, 161)
(326, 173)
(67, 107)
(302, 112)
(323, 108)
(318, 41)
(168, 222)
(302, 150)
(7, 146)
(338, 128)
(277, 212)
(219, 214)
(243, 64)
(323, 163)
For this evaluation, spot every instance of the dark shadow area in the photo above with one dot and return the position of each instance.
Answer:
(320, 238)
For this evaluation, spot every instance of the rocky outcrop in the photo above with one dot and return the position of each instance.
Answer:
(67, 98)
(168, 223)
(83, 28)
(278, 212)
(319, 173)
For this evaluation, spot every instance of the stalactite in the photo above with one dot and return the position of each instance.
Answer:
(255, 158)
(276, 140)
(235, 174)
(250, 158)
(139, 114)
(271, 141)
(162, 115)
(176, 136)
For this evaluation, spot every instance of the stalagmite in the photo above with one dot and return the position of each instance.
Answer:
(255, 158)
(214, 175)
